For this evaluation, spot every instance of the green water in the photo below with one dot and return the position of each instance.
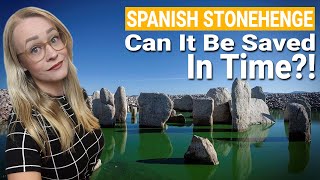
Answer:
(263, 152)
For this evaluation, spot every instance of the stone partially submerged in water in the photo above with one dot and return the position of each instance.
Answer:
(120, 103)
(201, 151)
(303, 102)
(221, 112)
(202, 111)
(154, 109)
(103, 107)
(241, 94)
(299, 123)
(183, 104)
(247, 111)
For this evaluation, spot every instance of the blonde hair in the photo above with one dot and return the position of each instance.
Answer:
(25, 95)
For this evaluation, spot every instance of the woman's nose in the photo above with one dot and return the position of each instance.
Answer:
(51, 53)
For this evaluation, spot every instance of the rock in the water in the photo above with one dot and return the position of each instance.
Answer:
(202, 111)
(134, 111)
(259, 112)
(221, 112)
(303, 102)
(258, 93)
(240, 103)
(96, 104)
(106, 97)
(183, 104)
(120, 102)
(201, 151)
(107, 118)
(299, 123)
(220, 95)
(154, 110)
(177, 119)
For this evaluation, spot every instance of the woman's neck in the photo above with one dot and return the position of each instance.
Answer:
(52, 88)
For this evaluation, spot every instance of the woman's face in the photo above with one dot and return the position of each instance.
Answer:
(37, 37)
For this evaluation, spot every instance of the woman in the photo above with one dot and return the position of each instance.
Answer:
(52, 133)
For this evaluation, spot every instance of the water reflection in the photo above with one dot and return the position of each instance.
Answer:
(115, 141)
(239, 143)
(154, 144)
(276, 114)
(299, 154)
(121, 137)
(242, 157)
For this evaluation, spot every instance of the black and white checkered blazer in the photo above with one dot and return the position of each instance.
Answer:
(23, 154)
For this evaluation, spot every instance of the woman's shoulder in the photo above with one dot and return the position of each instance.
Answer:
(14, 122)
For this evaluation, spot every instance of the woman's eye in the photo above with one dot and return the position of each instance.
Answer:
(35, 49)
(54, 39)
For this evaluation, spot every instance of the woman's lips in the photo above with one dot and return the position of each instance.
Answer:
(56, 66)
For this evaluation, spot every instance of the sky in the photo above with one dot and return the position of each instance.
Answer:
(102, 60)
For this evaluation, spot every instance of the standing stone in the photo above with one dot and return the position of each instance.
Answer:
(89, 102)
(183, 104)
(154, 110)
(96, 104)
(221, 97)
(259, 112)
(103, 107)
(202, 111)
(107, 116)
(303, 102)
(299, 123)
(201, 151)
(96, 95)
(134, 111)
(258, 93)
(120, 102)
(106, 97)
(241, 94)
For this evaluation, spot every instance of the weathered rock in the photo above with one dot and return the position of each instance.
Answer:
(259, 112)
(120, 102)
(202, 111)
(106, 97)
(177, 119)
(201, 151)
(96, 95)
(154, 110)
(107, 118)
(220, 95)
(303, 102)
(96, 104)
(183, 104)
(221, 112)
(89, 102)
(258, 93)
(133, 112)
(5, 105)
(241, 94)
(299, 123)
